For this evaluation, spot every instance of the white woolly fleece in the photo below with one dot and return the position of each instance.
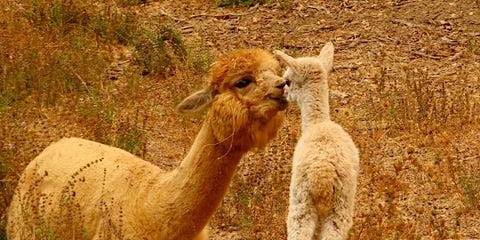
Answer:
(325, 162)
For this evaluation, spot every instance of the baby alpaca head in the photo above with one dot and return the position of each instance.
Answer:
(245, 95)
(305, 70)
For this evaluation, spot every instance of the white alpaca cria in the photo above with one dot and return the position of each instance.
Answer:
(325, 161)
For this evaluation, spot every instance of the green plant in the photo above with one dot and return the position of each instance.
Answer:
(286, 4)
(130, 137)
(49, 73)
(158, 48)
(131, 2)
(44, 232)
(473, 46)
(64, 16)
(470, 185)
(6, 155)
(3, 226)
(59, 14)
(199, 58)
(111, 24)
(110, 126)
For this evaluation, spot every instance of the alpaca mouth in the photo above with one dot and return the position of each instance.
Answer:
(281, 102)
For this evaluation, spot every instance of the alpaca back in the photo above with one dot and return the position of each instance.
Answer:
(96, 184)
(327, 139)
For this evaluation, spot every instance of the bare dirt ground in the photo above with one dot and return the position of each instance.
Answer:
(408, 73)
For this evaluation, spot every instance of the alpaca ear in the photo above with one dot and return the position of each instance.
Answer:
(287, 60)
(197, 101)
(326, 56)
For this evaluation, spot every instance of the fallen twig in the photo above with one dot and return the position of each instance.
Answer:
(456, 56)
(318, 8)
(162, 12)
(83, 82)
(225, 15)
(186, 29)
(472, 157)
(346, 66)
(406, 23)
(426, 55)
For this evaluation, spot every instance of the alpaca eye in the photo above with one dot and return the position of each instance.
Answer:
(243, 82)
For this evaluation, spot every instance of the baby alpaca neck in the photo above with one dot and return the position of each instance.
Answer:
(314, 104)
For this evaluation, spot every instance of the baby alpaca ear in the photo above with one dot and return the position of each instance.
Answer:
(326, 56)
(197, 101)
(287, 60)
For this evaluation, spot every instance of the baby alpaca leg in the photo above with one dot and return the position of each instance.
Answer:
(301, 222)
(339, 222)
(310, 202)
(321, 191)
(335, 228)
(322, 179)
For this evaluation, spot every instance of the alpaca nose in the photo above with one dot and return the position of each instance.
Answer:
(281, 85)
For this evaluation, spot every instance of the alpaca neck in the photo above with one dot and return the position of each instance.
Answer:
(314, 103)
(198, 185)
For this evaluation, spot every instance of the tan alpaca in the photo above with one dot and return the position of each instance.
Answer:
(78, 189)
(325, 161)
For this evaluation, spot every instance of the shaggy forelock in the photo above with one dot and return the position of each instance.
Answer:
(239, 63)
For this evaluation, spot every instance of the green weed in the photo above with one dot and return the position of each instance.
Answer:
(44, 232)
(113, 25)
(287, 4)
(199, 58)
(6, 155)
(131, 2)
(109, 125)
(473, 46)
(159, 48)
(3, 226)
(63, 16)
(59, 14)
(130, 136)
(470, 185)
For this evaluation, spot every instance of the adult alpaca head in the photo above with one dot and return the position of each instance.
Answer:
(245, 95)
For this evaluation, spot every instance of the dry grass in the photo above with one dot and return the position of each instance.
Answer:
(61, 76)
(113, 72)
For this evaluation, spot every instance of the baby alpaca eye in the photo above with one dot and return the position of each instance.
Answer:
(245, 81)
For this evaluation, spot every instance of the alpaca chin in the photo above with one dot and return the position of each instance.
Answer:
(237, 121)
(264, 132)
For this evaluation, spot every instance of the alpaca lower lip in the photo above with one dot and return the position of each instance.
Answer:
(282, 102)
